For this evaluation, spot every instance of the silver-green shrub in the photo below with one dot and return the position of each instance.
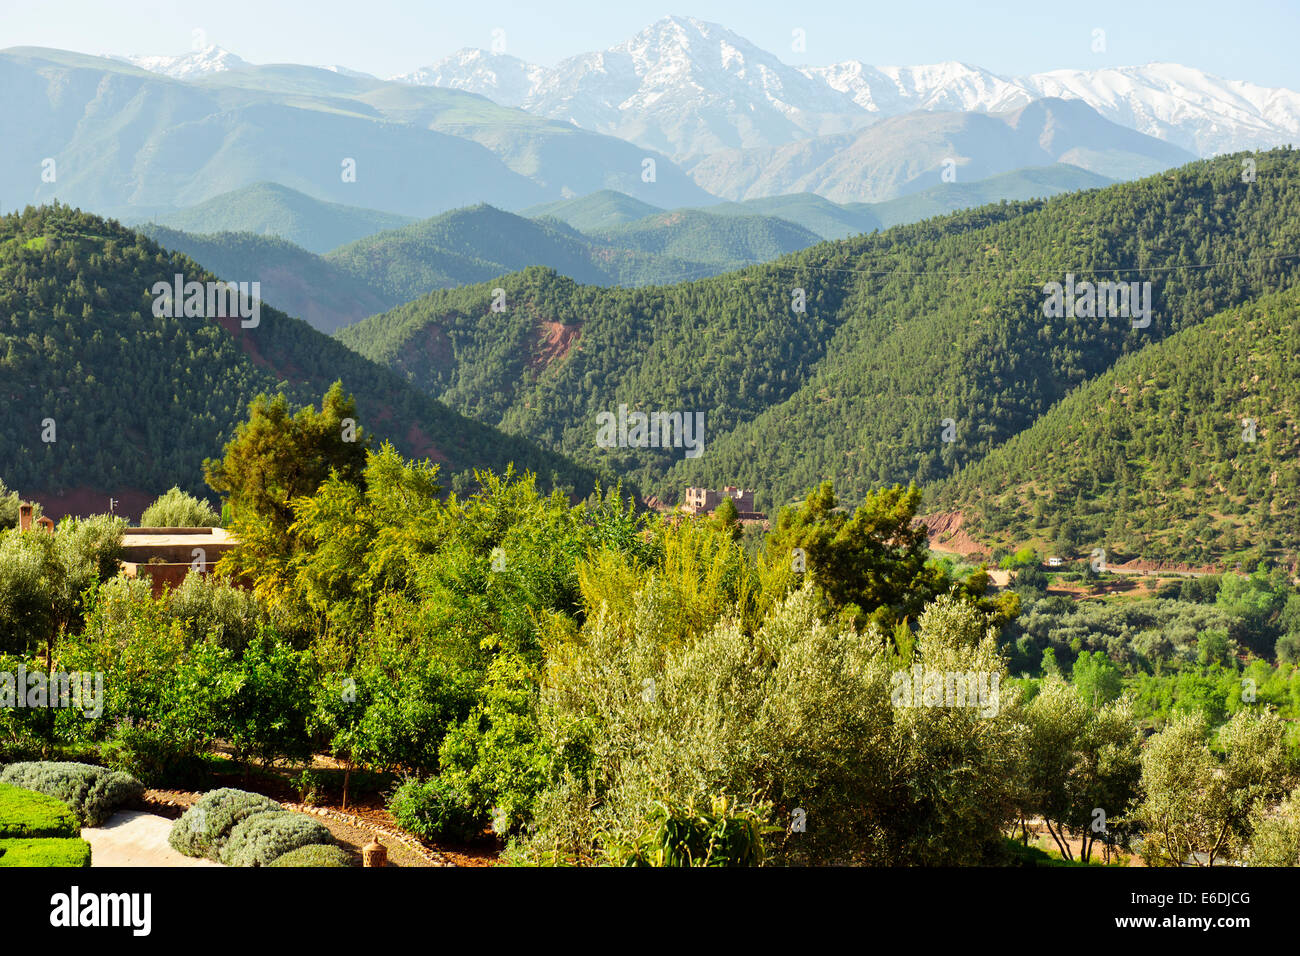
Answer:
(178, 509)
(316, 854)
(264, 837)
(796, 720)
(206, 826)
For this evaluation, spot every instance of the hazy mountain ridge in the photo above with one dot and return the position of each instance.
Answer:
(122, 140)
(919, 150)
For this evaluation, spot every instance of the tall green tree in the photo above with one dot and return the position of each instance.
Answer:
(276, 457)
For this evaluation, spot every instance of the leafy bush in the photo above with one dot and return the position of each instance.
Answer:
(496, 755)
(46, 851)
(799, 713)
(176, 509)
(722, 836)
(315, 854)
(212, 609)
(1276, 837)
(93, 793)
(43, 576)
(156, 756)
(436, 808)
(264, 837)
(204, 828)
(25, 813)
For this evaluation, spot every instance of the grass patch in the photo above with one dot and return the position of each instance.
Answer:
(44, 851)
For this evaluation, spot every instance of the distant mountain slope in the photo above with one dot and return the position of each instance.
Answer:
(125, 139)
(480, 242)
(902, 330)
(295, 281)
(838, 220)
(274, 210)
(599, 210)
(1036, 182)
(828, 219)
(473, 245)
(913, 152)
(133, 401)
(700, 236)
(946, 324)
(1188, 450)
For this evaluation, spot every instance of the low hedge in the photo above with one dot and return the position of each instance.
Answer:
(264, 837)
(93, 793)
(44, 851)
(26, 813)
(206, 826)
(316, 854)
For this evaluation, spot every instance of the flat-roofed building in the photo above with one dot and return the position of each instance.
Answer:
(699, 501)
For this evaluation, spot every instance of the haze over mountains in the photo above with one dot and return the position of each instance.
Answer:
(123, 140)
(915, 151)
(684, 113)
(292, 241)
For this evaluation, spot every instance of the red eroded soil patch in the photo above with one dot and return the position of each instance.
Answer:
(944, 529)
(556, 342)
(246, 342)
(428, 355)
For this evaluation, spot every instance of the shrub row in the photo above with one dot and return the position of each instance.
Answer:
(239, 828)
(205, 827)
(93, 793)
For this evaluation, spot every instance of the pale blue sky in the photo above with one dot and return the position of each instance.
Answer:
(1248, 39)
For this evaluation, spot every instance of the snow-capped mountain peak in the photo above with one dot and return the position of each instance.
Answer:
(505, 79)
(189, 66)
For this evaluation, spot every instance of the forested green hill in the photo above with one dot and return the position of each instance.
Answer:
(138, 401)
(1188, 450)
(940, 320)
(700, 236)
(479, 243)
(603, 209)
(323, 294)
(275, 210)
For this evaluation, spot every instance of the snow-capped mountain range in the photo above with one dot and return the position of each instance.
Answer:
(690, 87)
